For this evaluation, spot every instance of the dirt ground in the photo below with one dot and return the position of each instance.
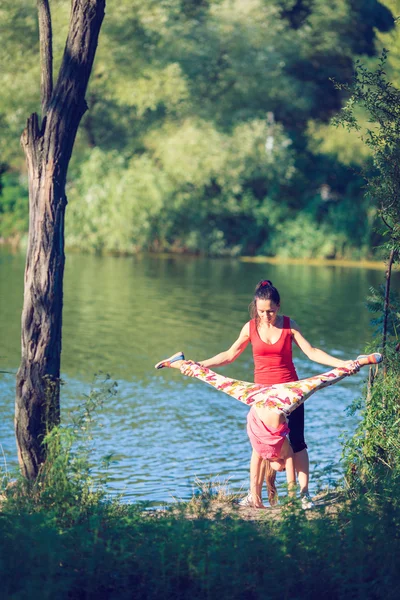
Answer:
(326, 502)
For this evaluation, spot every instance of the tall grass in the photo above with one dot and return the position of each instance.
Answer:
(117, 551)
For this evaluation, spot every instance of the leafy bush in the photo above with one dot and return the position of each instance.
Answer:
(65, 486)
(126, 552)
(372, 456)
(13, 206)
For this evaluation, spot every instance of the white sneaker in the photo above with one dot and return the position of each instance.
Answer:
(246, 501)
(306, 502)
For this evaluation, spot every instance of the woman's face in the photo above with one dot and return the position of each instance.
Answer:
(267, 311)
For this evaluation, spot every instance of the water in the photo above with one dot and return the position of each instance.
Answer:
(121, 315)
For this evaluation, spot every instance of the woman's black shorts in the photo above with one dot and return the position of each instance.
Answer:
(296, 426)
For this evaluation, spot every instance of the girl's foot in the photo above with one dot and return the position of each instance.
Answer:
(167, 362)
(306, 501)
(369, 359)
(248, 502)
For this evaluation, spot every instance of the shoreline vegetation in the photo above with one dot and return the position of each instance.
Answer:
(347, 547)
(318, 262)
(361, 263)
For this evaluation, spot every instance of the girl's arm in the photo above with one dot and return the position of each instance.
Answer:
(290, 475)
(225, 358)
(312, 353)
(287, 455)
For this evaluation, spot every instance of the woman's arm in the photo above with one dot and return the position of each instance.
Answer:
(225, 358)
(312, 353)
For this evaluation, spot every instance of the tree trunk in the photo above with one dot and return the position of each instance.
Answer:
(387, 299)
(48, 149)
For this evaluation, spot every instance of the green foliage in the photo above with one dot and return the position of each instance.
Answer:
(372, 456)
(120, 551)
(13, 206)
(381, 101)
(65, 486)
(391, 39)
(194, 194)
(205, 121)
(113, 202)
(375, 303)
(303, 237)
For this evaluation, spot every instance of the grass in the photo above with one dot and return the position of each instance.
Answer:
(111, 550)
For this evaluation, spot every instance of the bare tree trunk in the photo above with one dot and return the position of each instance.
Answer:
(48, 149)
(387, 299)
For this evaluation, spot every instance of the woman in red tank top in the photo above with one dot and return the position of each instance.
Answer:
(271, 336)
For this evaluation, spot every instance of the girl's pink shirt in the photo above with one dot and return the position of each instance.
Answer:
(266, 441)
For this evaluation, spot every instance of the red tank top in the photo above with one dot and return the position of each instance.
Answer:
(273, 363)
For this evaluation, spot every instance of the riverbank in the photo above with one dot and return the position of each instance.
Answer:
(15, 245)
(319, 262)
(214, 507)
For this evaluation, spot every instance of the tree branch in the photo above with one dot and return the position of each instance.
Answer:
(46, 53)
(68, 103)
(387, 298)
(386, 223)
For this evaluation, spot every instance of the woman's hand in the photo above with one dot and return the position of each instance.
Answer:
(352, 365)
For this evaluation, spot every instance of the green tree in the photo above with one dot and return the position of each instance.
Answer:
(171, 69)
(381, 100)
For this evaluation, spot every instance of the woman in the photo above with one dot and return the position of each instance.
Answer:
(271, 336)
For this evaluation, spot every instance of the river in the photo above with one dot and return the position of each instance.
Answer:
(123, 314)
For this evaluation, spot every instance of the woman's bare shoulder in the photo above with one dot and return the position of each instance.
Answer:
(294, 328)
(246, 327)
(245, 331)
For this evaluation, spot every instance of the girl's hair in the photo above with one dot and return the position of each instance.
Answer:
(270, 477)
(264, 291)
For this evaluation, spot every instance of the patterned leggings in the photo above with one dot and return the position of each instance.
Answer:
(280, 398)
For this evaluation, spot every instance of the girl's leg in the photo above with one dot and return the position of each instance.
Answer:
(257, 468)
(270, 480)
(240, 390)
(291, 475)
(284, 397)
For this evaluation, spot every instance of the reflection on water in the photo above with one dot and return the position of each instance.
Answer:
(121, 315)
